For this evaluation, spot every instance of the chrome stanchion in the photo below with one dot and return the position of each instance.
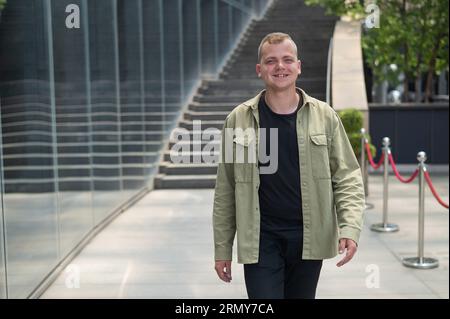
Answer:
(421, 262)
(363, 148)
(363, 165)
(385, 227)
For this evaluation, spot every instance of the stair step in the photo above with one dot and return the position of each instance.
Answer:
(197, 142)
(190, 157)
(207, 116)
(243, 91)
(188, 169)
(225, 98)
(185, 181)
(212, 107)
(203, 124)
(194, 135)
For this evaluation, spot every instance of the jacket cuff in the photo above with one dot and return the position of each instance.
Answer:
(223, 253)
(350, 233)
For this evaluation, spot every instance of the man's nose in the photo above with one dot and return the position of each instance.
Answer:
(280, 65)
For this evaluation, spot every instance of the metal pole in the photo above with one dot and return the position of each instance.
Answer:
(363, 153)
(385, 227)
(421, 159)
(386, 150)
(363, 165)
(421, 262)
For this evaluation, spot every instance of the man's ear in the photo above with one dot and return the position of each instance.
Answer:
(258, 69)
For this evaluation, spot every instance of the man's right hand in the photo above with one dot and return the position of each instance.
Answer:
(223, 269)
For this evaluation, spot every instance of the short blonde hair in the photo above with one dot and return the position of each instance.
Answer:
(275, 38)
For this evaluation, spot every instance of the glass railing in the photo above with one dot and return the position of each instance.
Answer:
(89, 90)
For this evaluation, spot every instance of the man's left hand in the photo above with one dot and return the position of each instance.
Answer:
(350, 246)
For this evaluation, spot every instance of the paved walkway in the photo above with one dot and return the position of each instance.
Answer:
(162, 248)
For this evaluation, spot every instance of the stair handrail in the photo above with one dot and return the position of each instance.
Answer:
(329, 61)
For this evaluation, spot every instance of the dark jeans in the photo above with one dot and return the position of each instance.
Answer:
(280, 272)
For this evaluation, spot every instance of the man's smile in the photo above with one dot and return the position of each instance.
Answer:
(280, 75)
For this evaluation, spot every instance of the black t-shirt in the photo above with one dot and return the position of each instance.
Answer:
(279, 193)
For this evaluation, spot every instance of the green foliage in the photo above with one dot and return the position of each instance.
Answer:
(353, 120)
(2, 4)
(339, 7)
(355, 141)
(413, 35)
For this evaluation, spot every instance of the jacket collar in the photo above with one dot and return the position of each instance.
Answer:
(253, 102)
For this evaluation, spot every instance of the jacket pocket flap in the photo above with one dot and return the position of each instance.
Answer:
(319, 139)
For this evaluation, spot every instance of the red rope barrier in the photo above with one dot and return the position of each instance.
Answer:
(430, 183)
(397, 174)
(369, 157)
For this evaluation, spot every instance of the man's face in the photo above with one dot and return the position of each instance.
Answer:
(279, 66)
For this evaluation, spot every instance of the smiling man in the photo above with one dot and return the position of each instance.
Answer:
(310, 208)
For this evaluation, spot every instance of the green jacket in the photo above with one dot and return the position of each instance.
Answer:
(331, 185)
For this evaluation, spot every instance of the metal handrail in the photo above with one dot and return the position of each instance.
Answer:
(329, 69)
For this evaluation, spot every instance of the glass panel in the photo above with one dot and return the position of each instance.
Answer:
(29, 199)
(208, 37)
(2, 231)
(223, 27)
(132, 94)
(173, 76)
(191, 43)
(85, 112)
(72, 128)
(154, 100)
(238, 21)
(105, 116)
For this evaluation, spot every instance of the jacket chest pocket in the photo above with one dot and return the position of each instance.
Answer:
(244, 159)
(320, 161)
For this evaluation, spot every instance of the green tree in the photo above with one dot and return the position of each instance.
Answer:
(413, 35)
(339, 7)
(2, 4)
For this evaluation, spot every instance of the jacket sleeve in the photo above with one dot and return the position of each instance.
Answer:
(347, 184)
(224, 211)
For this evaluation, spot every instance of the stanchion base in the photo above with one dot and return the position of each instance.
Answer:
(384, 228)
(420, 263)
(368, 206)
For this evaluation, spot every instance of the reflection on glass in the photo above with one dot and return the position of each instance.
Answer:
(155, 110)
(105, 108)
(72, 129)
(85, 113)
(192, 43)
(2, 244)
(27, 145)
(132, 97)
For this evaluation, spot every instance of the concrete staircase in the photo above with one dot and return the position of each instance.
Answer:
(237, 82)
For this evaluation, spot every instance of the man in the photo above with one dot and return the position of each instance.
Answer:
(310, 208)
